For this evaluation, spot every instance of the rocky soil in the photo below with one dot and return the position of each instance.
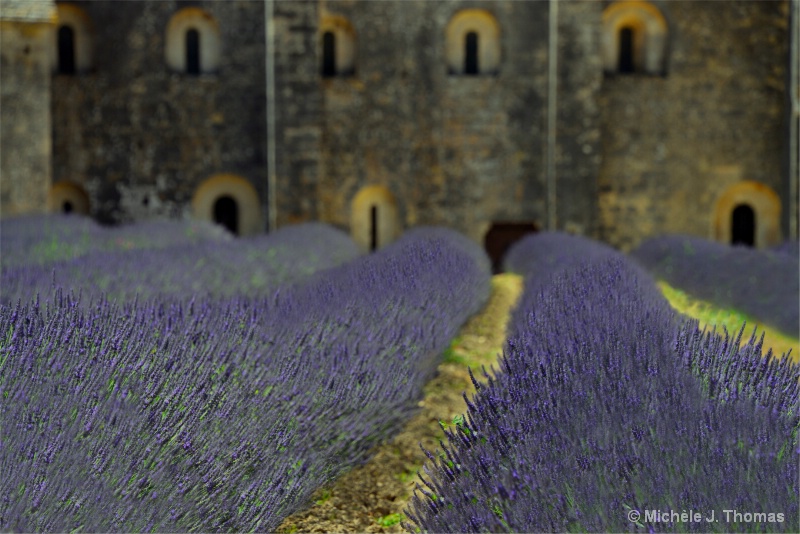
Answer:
(371, 498)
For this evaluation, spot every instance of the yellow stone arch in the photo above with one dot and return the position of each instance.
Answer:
(210, 42)
(68, 197)
(766, 205)
(650, 34)
(485, 25)
(236, 187)
(83, 30)
(345, 42)
(387, 220)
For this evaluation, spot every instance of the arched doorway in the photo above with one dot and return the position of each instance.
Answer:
(743, 225)
(748, 212)
(67, 197)
(231, 201)
(226, 213)
(374, 221)
(501, 236)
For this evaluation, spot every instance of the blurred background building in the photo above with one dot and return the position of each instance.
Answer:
(617, 120)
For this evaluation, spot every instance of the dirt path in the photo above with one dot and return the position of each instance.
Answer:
(370, 498)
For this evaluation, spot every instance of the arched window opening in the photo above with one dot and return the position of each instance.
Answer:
(374, 219)
(373, 236)
(66, 50)
(471, 53)
(472, 43)
(193, 52)
(66, 207)
(626, 64)
(193, 44)
(328, 55)
(634, 39)
(743, 225)
(226, 213)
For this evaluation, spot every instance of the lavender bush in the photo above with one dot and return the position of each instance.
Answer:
(598, 409)
(210, 267)
(542, 255)
(759, 283)
(41, 239)
(790, 247)
(220, 415)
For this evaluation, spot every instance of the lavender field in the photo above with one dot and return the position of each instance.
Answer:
(169, 378)
(607, 403)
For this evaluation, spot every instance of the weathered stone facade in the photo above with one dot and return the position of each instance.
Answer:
(26, 38)
(673, 145)
(140, 137)
(403, 130)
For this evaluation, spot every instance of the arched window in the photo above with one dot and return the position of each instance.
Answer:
(192, 51)
(743, 225)
(328, 54)
(337, 47)
(373, 228)
(68, 197)
(748, 213)
(374, 220)
(66, 50)
(231, 201)
(193, 43)
(471, 53)
(634, 38)
(73, 53)
(625, 50)
(226, 213)
(472, 43)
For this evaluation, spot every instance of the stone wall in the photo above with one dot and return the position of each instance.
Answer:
(141, 138)
(298, 109)
(636, 155)
(25, 138)
(456, 150)
(673, 145)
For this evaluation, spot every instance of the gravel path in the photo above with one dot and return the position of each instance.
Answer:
(368, 498)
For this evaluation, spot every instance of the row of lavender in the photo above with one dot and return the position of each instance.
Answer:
(180, 260)
(36, 239)
(607, 405)
(764, 284)
(220, 414)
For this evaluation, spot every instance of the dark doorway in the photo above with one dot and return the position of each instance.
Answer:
(328, 55)
(743, 226)
(501, 236)
(471, 53)
(226, 213)
(66, 207)
(193, 52)
(373, 228)
(66, 50)
(626, 50)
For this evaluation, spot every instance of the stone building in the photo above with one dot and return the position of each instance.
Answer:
(618, 120)
(26, 30)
